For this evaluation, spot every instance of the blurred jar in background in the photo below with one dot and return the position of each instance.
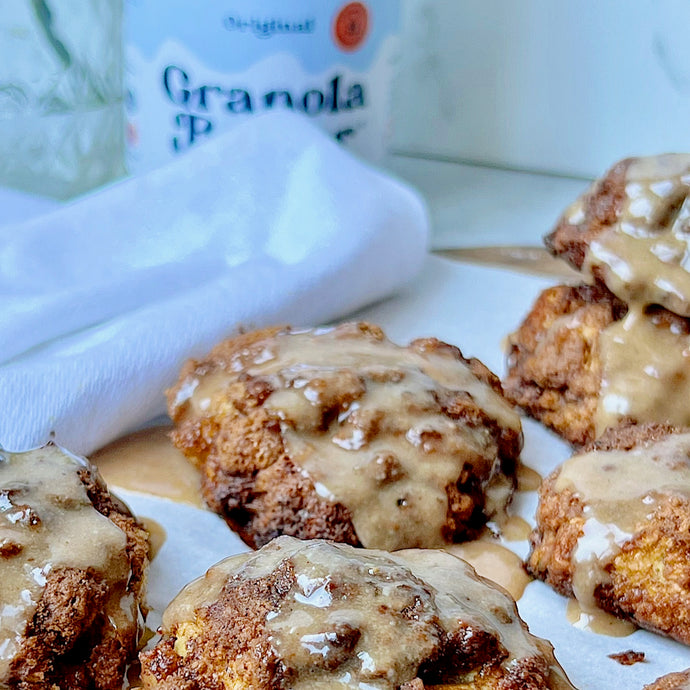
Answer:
(62, 126)
(197, 69)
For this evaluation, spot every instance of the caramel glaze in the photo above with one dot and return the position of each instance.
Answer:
(147, 461)
(45, 514)
(388, 648)
(157, 535)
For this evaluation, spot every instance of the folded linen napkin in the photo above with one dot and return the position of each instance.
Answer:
(103, 299)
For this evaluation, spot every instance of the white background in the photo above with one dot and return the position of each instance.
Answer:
(566, 87)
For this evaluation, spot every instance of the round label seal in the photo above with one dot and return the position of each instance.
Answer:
(351, 26)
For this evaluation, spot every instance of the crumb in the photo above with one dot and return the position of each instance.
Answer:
(627, 658)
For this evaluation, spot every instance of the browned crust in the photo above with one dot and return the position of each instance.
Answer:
(650, 576)
(628, 436)
(298, 511)
(248, 478)
(601, 205)
(228, 640)
(228, 643)
(554, 360)
(671, 681)
(525, 674)
(554, 365)
(137, 536)
(69, 643)
(559, 521)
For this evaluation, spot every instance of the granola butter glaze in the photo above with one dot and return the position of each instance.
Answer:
(644, 259)
(48, 522)
(342, 623)
(645, 372)
(146, 461)
(389, 453)
(644, 256)
(494, 562)
(620, 490)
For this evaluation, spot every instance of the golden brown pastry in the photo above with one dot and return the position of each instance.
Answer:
(615, 349)
(313, 614)
(340, 434)
(72, 575)
(671, 681)
(554, 358)
(613, 528)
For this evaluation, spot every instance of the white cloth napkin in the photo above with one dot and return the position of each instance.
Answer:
(102, 300)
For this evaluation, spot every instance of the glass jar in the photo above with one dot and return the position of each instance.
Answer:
(62, 125)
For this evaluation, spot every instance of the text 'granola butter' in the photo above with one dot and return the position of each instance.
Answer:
(367, 422)
(198, 69)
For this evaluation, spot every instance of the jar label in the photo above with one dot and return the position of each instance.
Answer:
(197, 70)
